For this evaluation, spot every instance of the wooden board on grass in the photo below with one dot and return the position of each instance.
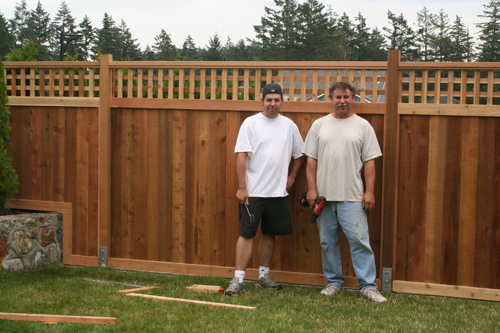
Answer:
(48, 318)
(206, 289)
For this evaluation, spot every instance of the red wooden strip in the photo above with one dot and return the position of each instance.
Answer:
(451, 206)
(418, 218)
(82, 180)
(404, 199)
(93, 183)
(117, 163)
(139, 175)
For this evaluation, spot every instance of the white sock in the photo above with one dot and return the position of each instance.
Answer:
(240, 275)
(262, 271)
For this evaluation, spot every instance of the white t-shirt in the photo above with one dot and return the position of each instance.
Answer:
(341, 146)
(270, 144)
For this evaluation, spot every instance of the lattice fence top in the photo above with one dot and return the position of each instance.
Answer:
(432, 83)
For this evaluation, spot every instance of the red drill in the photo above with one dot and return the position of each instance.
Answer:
(317, 207)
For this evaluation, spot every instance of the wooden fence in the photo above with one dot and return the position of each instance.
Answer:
(144, 153)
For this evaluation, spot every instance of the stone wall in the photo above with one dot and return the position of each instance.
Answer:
(30, 240)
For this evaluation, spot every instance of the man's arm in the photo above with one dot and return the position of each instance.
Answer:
(296, 164)
(369, 173)
(241, 170)
(312, 191)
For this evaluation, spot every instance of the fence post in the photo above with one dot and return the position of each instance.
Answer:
(391, 162)
(104, 201)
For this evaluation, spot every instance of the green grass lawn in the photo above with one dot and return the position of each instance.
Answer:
(64, 290)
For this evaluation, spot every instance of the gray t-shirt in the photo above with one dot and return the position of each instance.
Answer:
(341, 146)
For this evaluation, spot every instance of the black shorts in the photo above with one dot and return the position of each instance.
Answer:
(274, 213)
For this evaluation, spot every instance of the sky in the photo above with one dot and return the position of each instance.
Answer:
(202, 19)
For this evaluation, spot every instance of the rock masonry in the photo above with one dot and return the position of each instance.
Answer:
(30, 240)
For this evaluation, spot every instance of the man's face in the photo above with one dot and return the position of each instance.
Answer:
(272, 104)
(342, 101)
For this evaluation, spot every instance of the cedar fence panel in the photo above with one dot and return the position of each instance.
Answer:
(448, 222)
(55, 156)
(139, 156)
(195, 224)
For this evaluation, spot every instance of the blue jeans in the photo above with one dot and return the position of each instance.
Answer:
(351, 217)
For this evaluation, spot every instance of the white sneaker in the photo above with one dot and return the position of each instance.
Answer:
(373, 295)
(331, 290)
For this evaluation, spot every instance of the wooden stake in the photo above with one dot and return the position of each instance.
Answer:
(114, 282)
(207, 289)
(128, 291)
(163, 298)
(52, 319)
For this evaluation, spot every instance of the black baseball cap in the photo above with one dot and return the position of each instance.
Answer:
(272, 88)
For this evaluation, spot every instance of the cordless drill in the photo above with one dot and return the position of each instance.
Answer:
(316, 208)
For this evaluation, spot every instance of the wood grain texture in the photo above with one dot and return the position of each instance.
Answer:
(485, 294)
(55, 153)
(172, 176)
(435, 196)
(49, 318)
(459, 205)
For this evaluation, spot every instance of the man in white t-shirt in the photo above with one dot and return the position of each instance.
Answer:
(338, 147)
(267, 143)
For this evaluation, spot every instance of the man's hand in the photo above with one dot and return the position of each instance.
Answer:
(312, 195)
(368, 200)
(296, 163)
(242, 195)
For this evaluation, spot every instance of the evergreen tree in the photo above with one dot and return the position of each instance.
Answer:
(6, 38)
(63, 24)
(333, 36)
(377, 47)
(108, 39)
(129, 49)
(425, 33)
(343, 37)
(19, 23)
(279, 31)
(489, 47)
(64, 19)
(241, 52)
(39, 26)
(8, 177)
(25, 52)
(402, 37)
(252, 50)
(313, 31)
(214, 50)
(461, 42)
(361, 40)
(163, 47)
(441, 41)
(469, 46)
(228, 50)
(189, 50)
(148, 53)
(88, 36)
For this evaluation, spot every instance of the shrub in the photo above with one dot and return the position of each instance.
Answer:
(8, 177)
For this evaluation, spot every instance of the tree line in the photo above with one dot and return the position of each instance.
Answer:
(288, 31)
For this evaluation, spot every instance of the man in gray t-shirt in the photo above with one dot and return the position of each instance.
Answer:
(338, 146)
